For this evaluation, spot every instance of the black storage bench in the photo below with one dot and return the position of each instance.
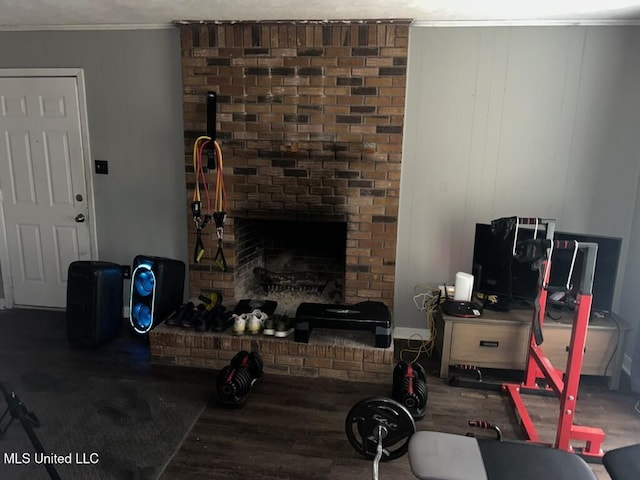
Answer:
(371, 316)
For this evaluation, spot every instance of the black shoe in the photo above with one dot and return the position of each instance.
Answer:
(222, 319)
(175, 319)
(189, 319)
(284, 326)
(203, 320)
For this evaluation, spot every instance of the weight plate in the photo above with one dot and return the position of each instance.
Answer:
(422, 374)
(256, 365)
(238, 358)
(366, 416)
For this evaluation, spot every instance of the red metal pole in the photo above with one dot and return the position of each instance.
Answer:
(569, 396)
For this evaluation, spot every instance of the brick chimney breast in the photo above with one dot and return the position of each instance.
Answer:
(310, 121)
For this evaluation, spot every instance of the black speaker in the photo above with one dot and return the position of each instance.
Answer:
(157, 289)
(94, 302)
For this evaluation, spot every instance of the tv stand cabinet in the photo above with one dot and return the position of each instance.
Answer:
(500, 340)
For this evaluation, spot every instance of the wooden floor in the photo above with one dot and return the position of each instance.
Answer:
(294, 428)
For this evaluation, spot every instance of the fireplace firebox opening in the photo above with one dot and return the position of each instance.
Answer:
(290, 261)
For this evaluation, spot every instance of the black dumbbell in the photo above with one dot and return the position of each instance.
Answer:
(410, 387)
(236, 380)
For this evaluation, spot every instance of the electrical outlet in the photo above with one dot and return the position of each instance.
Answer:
(451, 290)
(126, 271)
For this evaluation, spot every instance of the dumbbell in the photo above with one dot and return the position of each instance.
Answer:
(236, 380)
(410, 387)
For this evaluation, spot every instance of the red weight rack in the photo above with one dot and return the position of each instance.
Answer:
(539, 367)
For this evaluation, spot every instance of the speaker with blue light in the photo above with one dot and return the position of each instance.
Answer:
(157, 289)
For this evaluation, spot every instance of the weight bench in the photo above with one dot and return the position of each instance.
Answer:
(444, 456)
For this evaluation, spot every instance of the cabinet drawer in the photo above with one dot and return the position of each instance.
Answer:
(493, 346)
(599, 348)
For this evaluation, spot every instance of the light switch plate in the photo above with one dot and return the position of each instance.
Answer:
(102, 167)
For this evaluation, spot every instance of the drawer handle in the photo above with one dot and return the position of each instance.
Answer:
(489, 343)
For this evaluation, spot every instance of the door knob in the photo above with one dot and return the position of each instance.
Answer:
(80, 218)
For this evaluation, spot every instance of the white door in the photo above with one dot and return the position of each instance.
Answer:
(43, 186)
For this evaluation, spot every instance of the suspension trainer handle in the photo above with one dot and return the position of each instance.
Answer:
(220, 260)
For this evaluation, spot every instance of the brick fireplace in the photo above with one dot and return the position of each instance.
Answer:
(310, 122)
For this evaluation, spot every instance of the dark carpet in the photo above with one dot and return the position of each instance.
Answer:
(107, 410)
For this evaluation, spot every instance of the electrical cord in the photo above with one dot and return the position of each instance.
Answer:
(615, 349)
(427, 301)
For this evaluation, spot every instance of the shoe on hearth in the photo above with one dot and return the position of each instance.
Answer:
(269, 327)
(175, 319)
(284, 326)
(189, 320)
(256, 322)
(203, 320)
(222, 319)
(239, 323)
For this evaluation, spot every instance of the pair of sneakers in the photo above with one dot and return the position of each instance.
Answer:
(251, 323)
(279, 326)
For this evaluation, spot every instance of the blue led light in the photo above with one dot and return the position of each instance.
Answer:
(144, 282)
(142, 315)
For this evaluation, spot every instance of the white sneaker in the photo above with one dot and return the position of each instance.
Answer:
(256, 321)
(239, 323)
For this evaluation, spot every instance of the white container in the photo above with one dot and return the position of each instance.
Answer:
(464, 287)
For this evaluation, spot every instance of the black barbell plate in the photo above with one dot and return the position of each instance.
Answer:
(237, 359)
(363, 420)
(422, 374)
(256, 365)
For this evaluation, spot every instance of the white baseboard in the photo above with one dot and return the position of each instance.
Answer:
(405, 333)
(626, 364)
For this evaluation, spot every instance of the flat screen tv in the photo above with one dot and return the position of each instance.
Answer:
(497, 273)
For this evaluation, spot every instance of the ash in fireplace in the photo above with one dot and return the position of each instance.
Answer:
(290, 296)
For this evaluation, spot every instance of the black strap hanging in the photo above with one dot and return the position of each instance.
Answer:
(219, 260)
(201, 222)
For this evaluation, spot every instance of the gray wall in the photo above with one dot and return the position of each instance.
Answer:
(630, 289)
(499, 121)
(527, 121)
(134, 101)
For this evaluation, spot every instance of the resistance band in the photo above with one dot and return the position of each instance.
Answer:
(218, 214)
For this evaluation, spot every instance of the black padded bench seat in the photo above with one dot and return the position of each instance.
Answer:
(623, 463)
(444, 456)
(371, 316)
